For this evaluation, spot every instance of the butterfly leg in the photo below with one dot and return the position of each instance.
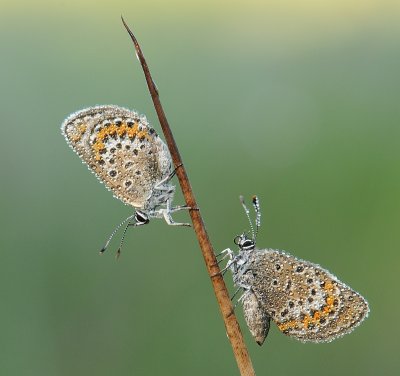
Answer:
(169, 190)
(236, 303)
(161, 184)
(166, 214)
(234, 294)
(179, 208)
(227, 253)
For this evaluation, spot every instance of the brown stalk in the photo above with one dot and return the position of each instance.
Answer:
(231, 325)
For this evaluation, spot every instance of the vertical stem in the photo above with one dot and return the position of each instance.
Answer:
(231, 325)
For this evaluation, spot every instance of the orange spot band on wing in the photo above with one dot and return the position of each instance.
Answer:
(113, 129)
(317, 315)
(81, 128)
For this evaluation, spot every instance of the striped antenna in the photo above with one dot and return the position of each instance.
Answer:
(256, 204)
(115, 231)
(246, 210)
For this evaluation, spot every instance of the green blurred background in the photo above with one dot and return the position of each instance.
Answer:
(296, 101)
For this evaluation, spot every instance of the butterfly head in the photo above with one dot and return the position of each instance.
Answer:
(245, 241)
(141, 218)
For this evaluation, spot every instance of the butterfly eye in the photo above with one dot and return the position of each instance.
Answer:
(247, 244)
(237, 240)
(141, 218)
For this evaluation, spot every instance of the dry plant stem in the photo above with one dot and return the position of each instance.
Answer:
(232, 327)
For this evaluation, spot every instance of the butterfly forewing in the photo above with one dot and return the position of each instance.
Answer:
(122, 149)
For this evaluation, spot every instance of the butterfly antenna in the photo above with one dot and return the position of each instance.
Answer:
(246, 210)
(256, 204)
(115, 231)
(122, 240)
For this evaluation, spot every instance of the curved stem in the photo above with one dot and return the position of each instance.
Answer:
(231, 325)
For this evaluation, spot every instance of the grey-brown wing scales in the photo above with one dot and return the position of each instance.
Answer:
(121, 148)
(306, 301)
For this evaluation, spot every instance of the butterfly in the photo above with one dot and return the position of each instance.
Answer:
(126, 154)
(304, 300)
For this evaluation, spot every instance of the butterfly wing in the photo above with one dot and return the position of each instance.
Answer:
(120, 147)
(306, 301)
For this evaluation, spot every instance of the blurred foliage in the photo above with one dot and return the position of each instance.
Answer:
(296, 101)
